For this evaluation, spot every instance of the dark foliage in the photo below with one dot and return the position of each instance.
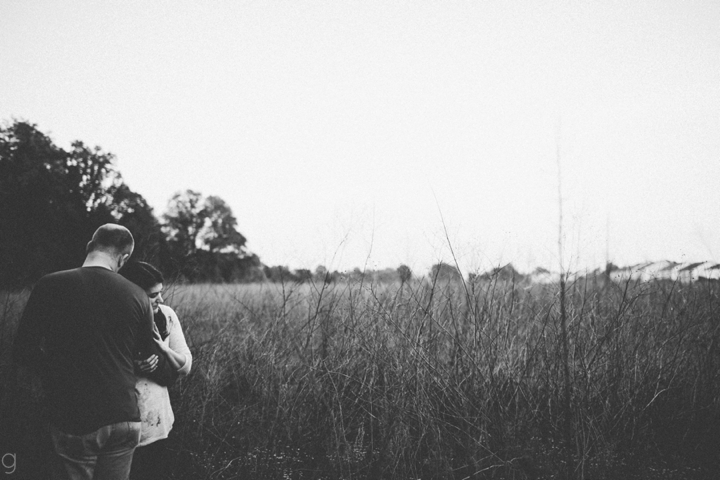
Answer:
(445, 271)
(52, 200)
(203, 244)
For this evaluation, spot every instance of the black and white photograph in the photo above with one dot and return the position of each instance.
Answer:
(360, 239)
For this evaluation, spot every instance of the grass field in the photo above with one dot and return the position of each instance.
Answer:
(432, 381)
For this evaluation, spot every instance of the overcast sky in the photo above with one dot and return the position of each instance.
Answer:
(375, 133)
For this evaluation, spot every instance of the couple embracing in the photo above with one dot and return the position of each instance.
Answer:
(106, 350)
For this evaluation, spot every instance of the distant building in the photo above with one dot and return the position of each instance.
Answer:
(693, 272)
(688, 272)
(667, 270)
(709, 271)
(642, 272)
(633, 272)
(662, 270)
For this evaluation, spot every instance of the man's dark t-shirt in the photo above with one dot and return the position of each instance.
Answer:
(81, 330)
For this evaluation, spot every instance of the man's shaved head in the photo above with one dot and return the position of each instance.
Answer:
(112, 238)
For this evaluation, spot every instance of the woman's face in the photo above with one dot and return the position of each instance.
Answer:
(155, 294)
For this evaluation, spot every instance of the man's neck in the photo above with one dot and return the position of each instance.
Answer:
(100, 259)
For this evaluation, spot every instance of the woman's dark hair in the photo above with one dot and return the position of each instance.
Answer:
(142, 274)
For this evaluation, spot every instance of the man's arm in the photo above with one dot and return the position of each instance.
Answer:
(164, 374)
(28, 346)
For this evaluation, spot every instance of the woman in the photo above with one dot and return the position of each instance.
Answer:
(156, 412)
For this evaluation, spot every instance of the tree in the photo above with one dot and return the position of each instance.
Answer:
(405, 273)
(183, 222)
(204, 243)
(322, 274)
(445, 271)
(30, 185)
(131, 210)
(99, 186)
(356, 275)
(52, 200)
(279, 274)
(303, 274)
(219, 232)
(506, 273)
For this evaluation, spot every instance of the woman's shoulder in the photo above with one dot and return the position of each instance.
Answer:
(168, 312)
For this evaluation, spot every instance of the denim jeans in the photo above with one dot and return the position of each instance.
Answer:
(105, 454)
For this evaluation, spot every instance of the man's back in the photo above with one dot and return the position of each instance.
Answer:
(90, 323)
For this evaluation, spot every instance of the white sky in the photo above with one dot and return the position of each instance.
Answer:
(340, 132)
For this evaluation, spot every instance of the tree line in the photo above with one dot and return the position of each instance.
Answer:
(52, 199)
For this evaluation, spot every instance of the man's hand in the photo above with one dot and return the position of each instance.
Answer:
(148, 365)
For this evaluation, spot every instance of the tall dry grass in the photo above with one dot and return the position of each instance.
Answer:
(442, 380)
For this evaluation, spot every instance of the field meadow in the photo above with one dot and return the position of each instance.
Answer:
(429, 380)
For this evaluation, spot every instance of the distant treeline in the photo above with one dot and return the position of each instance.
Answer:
(53, 199)
(281, 274)
(438, 272)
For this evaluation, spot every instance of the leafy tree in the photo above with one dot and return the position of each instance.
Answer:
(248, 269)
(52, 200)
(405, 273)
(280, 274)
(183, 222)
(225, 267)
(506, 273)
(131, 210)
(322, 274)
(107, 198)
(220, 229)
(30, 182)
(445, 271)
(303, 275)
(355, 275)
(204, 243)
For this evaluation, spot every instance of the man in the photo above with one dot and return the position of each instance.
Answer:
(80, 331)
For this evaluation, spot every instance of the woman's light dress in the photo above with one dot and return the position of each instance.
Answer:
(156, 412)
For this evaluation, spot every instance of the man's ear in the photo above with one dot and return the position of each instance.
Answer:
(123, 258)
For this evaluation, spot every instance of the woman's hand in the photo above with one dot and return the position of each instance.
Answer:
(158, 339)
(177, 360)
(148, 365)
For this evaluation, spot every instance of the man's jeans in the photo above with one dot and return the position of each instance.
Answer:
(105, 454)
